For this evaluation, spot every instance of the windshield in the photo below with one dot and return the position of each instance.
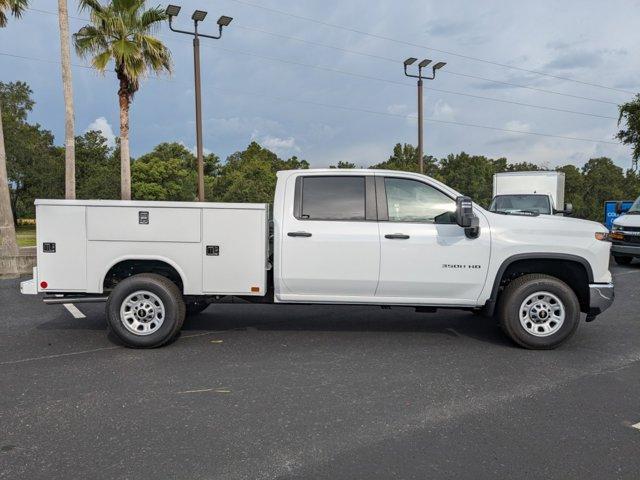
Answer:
(635, 208)
(521, 203)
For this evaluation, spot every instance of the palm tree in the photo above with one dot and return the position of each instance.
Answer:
(69, 135)
(8, 243)
(122, 31)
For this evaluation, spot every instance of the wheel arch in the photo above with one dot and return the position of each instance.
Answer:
(572, 269)
(129, 265)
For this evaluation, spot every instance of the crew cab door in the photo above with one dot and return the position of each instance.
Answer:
(425, 256)
(330, 247)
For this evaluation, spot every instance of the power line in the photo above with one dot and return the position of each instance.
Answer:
(448, 71)
(397, 82)
(397, 115)
(357, 109)
(404, 42)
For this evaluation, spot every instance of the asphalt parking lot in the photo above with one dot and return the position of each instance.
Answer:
(251, 392)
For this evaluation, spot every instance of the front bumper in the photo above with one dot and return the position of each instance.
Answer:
(601, 297)
(625, 249)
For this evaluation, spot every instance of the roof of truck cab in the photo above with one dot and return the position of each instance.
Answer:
(151, 204)
(367, 171)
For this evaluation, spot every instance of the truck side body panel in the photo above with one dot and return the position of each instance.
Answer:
(94, 235)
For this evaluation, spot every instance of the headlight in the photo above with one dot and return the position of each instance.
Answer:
(615, 227)
(604, 236)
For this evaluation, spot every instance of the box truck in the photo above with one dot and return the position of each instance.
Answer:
(534, 193)
(366, 237)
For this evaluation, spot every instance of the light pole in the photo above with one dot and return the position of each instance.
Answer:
(410, 61)
(198, 16)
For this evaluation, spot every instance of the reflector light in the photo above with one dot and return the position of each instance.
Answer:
(43, 284)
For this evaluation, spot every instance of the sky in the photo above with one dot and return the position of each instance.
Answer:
(323, 79)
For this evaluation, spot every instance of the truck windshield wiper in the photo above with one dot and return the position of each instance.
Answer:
(527, 213)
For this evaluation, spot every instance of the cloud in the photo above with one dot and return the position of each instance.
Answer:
(101, 125)
(443, 111)
(578, 59)
(280, 146)
(397, 109)
(517, 125)
(193, 149)
(242, 125)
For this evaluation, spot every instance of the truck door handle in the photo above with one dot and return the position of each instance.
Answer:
(299, 234)
(397, 236)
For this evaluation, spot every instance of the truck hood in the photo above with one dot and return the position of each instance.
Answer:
(628, 220)
(545, 222)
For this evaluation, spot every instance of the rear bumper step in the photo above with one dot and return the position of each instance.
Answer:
(52, 300)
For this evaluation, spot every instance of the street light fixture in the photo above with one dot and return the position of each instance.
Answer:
(424, 63)
(198, 16)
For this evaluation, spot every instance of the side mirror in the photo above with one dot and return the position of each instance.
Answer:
(618, 208)
(568, 208)
(466, 218)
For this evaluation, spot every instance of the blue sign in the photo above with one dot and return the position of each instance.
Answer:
(610, 213)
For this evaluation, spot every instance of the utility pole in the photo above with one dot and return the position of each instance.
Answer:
(410, 61)
(198, 16)
(69, 130)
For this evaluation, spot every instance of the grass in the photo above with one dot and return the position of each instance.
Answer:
(26, 235)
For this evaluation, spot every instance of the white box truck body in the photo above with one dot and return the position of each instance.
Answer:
(539, 192)
(368, 237)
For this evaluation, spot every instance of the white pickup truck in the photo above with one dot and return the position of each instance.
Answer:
(369, 237)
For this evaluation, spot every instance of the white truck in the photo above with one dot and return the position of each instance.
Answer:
(533, 193)
(370, 237)
(625, 234)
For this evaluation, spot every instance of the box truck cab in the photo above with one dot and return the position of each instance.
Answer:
(366, 237)
(533, 193)
(625, 234)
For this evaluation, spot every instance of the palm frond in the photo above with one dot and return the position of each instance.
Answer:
(121, 30)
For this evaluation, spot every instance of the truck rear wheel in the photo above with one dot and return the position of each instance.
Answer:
(145, 310)
(539, 311)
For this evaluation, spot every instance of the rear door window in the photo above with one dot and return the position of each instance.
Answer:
(333, 198)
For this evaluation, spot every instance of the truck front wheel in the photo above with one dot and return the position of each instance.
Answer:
(539, 311)
(145, 310)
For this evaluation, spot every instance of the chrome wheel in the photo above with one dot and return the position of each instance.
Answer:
(542, 314)
(142, 313)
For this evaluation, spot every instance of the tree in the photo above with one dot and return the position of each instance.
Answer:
(67, 87)
(472, 175)
(8, 243)
(405, 158)
(35, 166)
(573, 189)
(603, 180)
(250, 175)
(14, 7)
(155, 178)
(630, 112)
(343, 164)
(98, 167)
(122, 31)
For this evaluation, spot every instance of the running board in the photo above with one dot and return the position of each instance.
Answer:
(77, 299)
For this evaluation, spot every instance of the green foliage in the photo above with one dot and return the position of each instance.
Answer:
(97, 168)
(343, 164)
(166, 173)
(405, 158)
(603, 180)
(122, 31)
(35, 166)
(574, 189)
(471, 175)
(14, 7)
(250, 176)
(630, 113)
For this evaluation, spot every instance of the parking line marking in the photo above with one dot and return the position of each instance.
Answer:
(636, 426)
(203, 390)
(73, 310)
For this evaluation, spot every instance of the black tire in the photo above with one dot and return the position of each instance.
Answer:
(171, 301)
(519, 290)
(622, 260)
(195, 307)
